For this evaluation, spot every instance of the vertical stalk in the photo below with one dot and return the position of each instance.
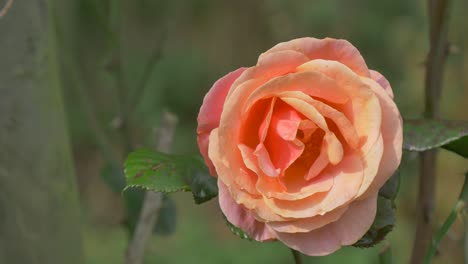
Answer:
(438, 13)
(153, 201)
(297, 256)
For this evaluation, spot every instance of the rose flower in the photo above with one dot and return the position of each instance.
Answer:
(301, 143)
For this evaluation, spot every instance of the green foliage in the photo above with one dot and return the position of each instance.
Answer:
(160, 172)
(112, 174)
(166, 222)
(385, 217)
(422, 135)
(167, 217)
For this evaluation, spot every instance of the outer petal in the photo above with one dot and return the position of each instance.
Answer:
(328, 49)
(210, 112)
(306, 225)
(392, 135)
(380, 79)
(347, 230)
(241, 217)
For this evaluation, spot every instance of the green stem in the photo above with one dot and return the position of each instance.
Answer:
(456, 211)
(297, 256)
(442, 231)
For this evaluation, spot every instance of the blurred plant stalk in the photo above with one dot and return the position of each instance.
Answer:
(153, 201)
(438, 14)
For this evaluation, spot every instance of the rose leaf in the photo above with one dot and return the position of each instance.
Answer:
(422, 134)
(166, 221)
(383, 224)
(166, 173)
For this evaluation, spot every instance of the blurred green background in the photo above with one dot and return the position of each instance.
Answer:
(124, 62)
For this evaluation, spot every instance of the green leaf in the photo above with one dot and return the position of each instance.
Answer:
(167, 173)
(391, 187)
(459, 146)
(166, 222)
(385, 217)
(383, 224)
(112, 174)
(423, 134)
(237, 231)
(133, 199)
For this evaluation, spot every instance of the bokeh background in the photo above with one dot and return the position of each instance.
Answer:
(124, 62)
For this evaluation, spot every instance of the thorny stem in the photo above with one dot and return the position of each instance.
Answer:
(438, 11)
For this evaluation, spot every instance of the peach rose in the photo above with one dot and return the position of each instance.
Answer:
(301, 143)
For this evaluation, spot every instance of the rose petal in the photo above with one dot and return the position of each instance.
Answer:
(241, 218)
(348, 176)
(346, 231)
(306, 225)
(232, 174)
(363, 110)
(382, 81)
(320, 163)
(311, 83)
(392, 135)
(343, 124)
(210, 112)
(338, 50)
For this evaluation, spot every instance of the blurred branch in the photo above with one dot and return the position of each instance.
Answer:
(152, 201)
(149, 68)
(5, 8)
(385, 254)
(297, 256)
(438, 13)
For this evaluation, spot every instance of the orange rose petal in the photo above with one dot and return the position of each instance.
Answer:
(232, 115)
(263, 130)
(371, 160)
(281, 141)
(231, 174)
(305, 225)
(320, 163)
(287, 129)
(356, 221)
(308, 128)
(311, 83)
(307, 110)
(380, 79)
(392, 135)
(338, 50)
(348, 176)
(343, 124)
(241, 218)
(298, 188)
(210, 112)
(249, 158)
(335, 149)
(347, 230)
(264, 161)
(363, 110)
(275, 64)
